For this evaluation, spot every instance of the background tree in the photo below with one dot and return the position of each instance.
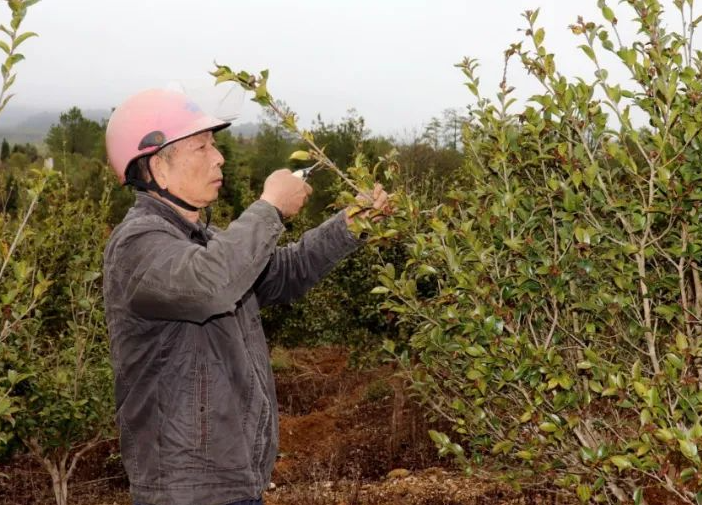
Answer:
(29, 150)
(453, 121)
(4, 150)
(75, 134)
(66, 398)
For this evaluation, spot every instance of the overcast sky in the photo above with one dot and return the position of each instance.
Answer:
(391, 60)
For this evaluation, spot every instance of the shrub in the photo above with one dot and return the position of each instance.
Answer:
(54, 361)
(562, 338)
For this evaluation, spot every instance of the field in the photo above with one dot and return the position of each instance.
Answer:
(347, 437)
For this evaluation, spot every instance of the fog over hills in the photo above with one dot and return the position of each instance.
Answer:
(20, 125)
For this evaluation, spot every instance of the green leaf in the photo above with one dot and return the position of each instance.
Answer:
(689, 449)
(687, 474)
(379, 290)
(4, 47)
(440, 439)
(502, 447)
(426, 270)
(475, 351)
(628, 56)
(539, 36)
(389, 346)
(91, 276)
(24, 37)
(577, 178)
(667, 311)
(640, 389)
(664, 435)
(548, 427)
(636, 370)
(474, 374)
(663, 175)
(591, 174)
(5, 406)
(582, 235)
(588, 50)
(300, 155)
(12, 60)
(681, 341)
(608, 13)
(584, 492)
(565, 381)
(621, 462)
(525, 455)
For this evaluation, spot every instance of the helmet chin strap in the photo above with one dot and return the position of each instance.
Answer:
(152, 185)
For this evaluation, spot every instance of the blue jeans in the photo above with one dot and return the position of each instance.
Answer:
(244, 502)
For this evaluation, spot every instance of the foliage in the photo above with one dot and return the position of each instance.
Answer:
(20, 294)
(426, 170)
(9, 46)
(446, 130)
(55, 378)
(235, 194)
(5, 150)
(55, 354)
(339, 309)
(75, 134)
(22, 291)
(554, 300)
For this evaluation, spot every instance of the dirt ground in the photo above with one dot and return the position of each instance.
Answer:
(348, 437)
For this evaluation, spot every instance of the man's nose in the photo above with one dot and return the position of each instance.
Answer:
(219, 159)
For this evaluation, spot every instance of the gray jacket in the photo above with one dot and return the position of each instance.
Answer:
(195, 397)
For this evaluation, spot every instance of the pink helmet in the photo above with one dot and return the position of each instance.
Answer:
(150, 120)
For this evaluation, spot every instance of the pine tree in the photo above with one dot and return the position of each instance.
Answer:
(4, 150)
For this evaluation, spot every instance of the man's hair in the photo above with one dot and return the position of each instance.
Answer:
(139, 169)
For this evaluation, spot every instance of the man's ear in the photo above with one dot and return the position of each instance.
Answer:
(159, 170)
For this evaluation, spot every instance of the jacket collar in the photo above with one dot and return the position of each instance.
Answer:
(151, 205)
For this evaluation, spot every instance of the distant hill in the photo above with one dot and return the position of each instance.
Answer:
(246, 130)
(21, 126)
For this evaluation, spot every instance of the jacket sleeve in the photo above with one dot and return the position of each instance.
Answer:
(175, 279)
(295, 268)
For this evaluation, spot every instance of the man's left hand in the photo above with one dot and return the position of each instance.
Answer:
(366, 205)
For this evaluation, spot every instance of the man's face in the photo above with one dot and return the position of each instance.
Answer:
(192, 170)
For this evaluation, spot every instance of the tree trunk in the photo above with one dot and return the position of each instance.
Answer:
(648, 319)
(59, 480)
(56, 465)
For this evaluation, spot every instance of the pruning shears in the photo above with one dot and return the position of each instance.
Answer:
(304, 173)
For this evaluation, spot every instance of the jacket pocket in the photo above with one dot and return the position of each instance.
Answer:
(203, 428)
(227, 446)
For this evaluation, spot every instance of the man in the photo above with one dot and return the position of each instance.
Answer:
(195, 397)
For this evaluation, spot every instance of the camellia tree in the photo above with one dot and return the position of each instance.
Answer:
(9, 46)
(65, 401)
(556, 303)
(554, 299)
(55, 377)
(21, 287)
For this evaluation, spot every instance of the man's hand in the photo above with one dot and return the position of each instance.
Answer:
(366, 205)
(286, 192)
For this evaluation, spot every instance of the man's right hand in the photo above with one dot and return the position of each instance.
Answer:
(286, 192)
